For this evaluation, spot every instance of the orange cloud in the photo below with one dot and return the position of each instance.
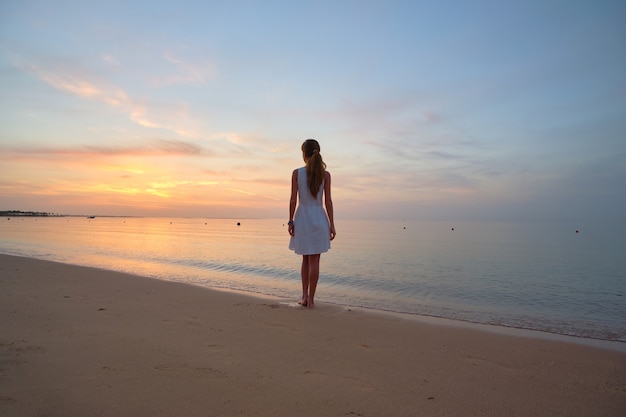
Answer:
(156, 147)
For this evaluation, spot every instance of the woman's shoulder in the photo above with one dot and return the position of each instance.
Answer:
(294, 173)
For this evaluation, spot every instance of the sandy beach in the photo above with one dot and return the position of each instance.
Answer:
(78, 341)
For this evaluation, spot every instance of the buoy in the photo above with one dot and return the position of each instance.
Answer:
(238, 224)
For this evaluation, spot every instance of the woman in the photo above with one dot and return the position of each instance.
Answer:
(311, 228)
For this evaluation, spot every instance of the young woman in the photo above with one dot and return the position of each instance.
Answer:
(311, 228)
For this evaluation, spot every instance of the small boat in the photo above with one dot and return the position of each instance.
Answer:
(91, 217)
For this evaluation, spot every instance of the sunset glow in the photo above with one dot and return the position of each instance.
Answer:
(422, 110)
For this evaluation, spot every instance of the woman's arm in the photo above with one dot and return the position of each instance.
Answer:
(328, 200)
(293, 200)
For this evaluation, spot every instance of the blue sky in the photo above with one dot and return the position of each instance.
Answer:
(446, 110)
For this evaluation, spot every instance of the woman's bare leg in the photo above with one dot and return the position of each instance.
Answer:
(314, 275)
(304, 273)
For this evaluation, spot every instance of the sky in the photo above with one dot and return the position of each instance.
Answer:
(461, 110)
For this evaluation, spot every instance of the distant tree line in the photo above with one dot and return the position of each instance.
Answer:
(16, 213)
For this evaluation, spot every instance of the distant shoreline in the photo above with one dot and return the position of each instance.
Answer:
(18, 213)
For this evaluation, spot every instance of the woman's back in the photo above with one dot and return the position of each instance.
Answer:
(311, 227)
(304, 194)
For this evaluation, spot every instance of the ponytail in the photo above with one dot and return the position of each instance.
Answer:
(315, 166)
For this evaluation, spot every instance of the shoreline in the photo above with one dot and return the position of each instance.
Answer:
(422, 318)
(86, 341)
(612, 345)
(506, 330)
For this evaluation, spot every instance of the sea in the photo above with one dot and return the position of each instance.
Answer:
(552, 277)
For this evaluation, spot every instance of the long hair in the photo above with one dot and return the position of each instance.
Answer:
(315, 166)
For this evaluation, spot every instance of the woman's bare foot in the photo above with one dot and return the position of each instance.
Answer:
(303, 302)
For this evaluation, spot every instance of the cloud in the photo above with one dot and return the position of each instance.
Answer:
(186, 72)
(393, 112)
(156, 147)
(149, 116)
(254, 194)
(69, 84)
(110, 59)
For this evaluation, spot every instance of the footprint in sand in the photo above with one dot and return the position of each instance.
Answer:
(7, 401)
(326, 378)
(21, 347)
(197, 371)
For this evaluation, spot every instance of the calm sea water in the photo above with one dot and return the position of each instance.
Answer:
(534, 276)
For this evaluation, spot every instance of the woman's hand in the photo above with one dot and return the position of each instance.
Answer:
(332, 232)
(290, 229)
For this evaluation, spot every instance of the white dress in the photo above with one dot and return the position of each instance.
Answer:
(311, 225)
